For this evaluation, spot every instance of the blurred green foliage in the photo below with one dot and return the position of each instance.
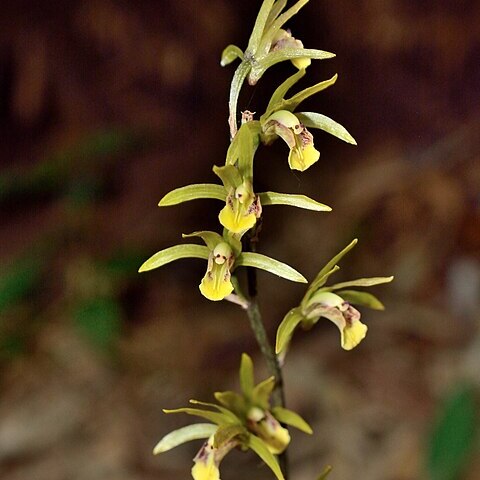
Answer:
(453, 435)
(99, 320)
(19, 280)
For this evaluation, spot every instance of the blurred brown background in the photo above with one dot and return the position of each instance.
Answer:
(105, 106)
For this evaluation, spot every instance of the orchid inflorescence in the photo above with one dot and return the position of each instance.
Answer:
(248, 421)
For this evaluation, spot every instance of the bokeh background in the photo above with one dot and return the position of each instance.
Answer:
(105, 106)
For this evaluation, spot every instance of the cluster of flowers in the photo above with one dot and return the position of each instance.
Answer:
(244, 420)
(247, 421)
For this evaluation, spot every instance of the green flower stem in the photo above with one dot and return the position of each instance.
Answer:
(258, 328)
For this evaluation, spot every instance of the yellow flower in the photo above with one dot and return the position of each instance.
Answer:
(241, 210)
(286, 125)
(341, 313)
(216, 284)
(207, 460)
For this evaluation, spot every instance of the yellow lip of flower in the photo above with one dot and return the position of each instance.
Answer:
(216, 284)
(286, 125)
(342, 314)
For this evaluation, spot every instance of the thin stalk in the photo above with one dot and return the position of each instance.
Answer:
(258, 328)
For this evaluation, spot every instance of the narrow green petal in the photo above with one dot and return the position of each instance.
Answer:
(293, 102)
(211, 239)
(362, 282)
(280, 93)
(232, 400)
(277, 56)
(257, 260)
(330, 265)
(275, 12)
(196, 431)
(319, 282)
(247, 381)
(215, 417)
(193, 192)
(286, 328)
(259, 27)
(174, 253)
(262, 392)
(288, 417)
(229, 175)
(221, 409)
(261, 449)
(281, 20)
(225, 433)
(299, 201)
(229, 54)
(316, 120)
(364, 299)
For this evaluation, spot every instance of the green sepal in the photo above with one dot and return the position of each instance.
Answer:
(317, 284)
(325, 473)
(211, 239)
(215, 417)
(280, 92)
(195, 431)
(364, 299)
(229, 175)
(229, 54)
(237, 81)
(288, 417)
(317, 120)
(293, 200)
(246, 151)
(262, 392)
(277, 56)
(361, 282)
(259, 27)
(292, 103)
(225, 433)
(221, 409)
(247, 381)
(278, 6)
(261, 449)
(257, 260)
(174, 253)
(286, 328)
(232, 400)
(330, 265)
(277, 23)
(193, 192)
